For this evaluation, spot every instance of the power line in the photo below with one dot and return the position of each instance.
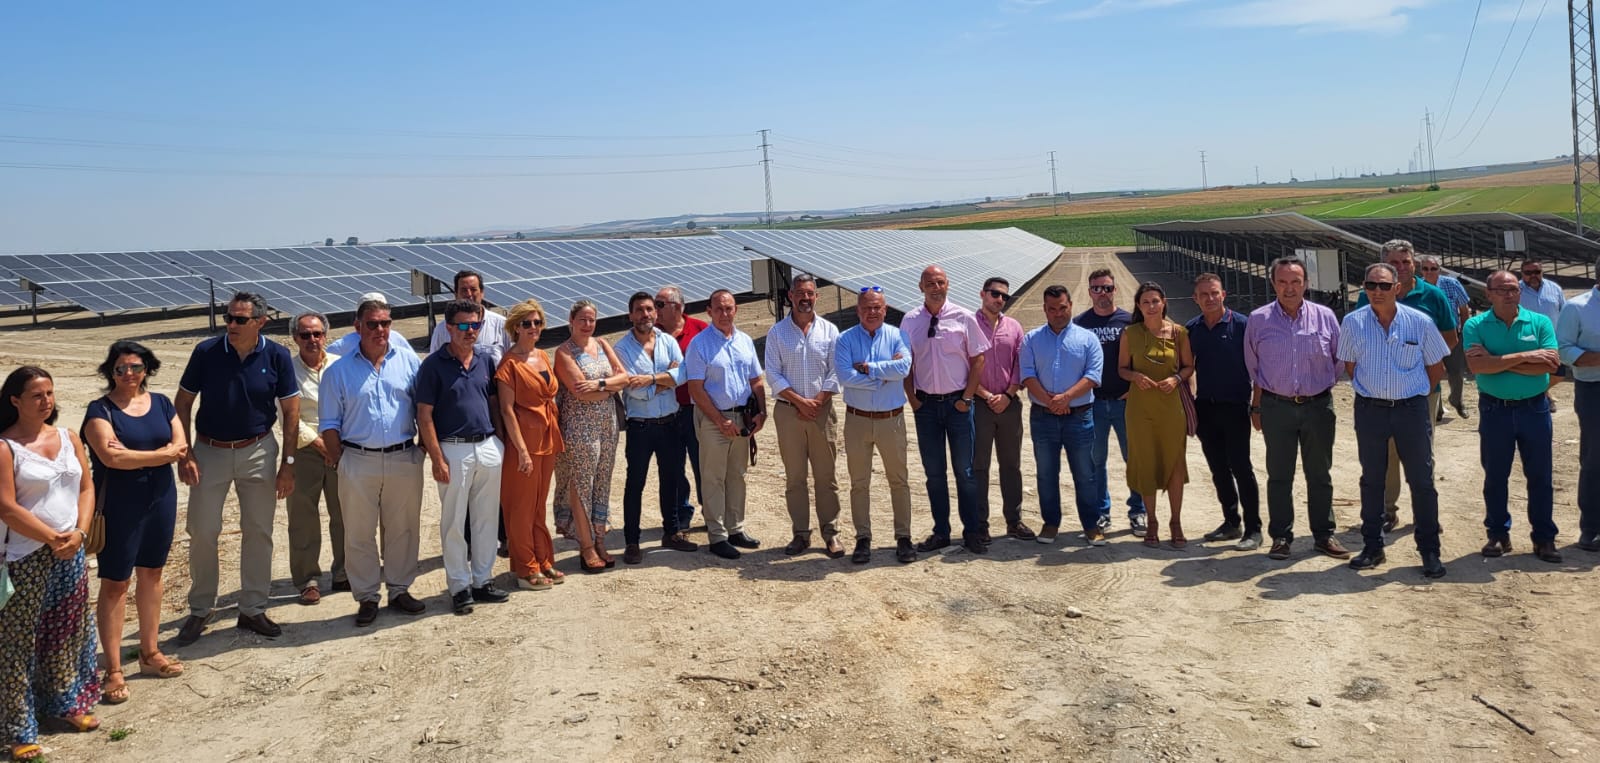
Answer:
(349, 175)
(167, 147)
(1492, 71)
(841, 173)
(853, 162)
(1443, 123)
(1507, 83)
(939, 159)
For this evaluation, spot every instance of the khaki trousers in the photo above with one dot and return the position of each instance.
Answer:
(813, 444)
(314, 482)
(381, 495)
(1391, 476)
(998, 434)
(723, 463)
(888, 436)
(252, 472)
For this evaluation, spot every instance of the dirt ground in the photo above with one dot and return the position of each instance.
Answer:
(1033, 652)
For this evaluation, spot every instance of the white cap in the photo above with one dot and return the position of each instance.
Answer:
(372, 296)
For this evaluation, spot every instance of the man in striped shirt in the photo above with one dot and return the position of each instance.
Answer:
(799, 360)
(1455, 365)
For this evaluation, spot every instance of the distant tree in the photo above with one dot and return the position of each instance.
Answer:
(327, 241)
(352, 241)
(689, 225)
(518, 236)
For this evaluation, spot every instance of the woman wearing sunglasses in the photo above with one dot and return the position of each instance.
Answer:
(527, 393)
(134, 438)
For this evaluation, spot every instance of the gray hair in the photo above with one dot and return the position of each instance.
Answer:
(1431, 259)
(258, 304)
(322, 319)
(1398, 245)
(1395, 274)
(674, 294)
(800, 278)
(1285, 262)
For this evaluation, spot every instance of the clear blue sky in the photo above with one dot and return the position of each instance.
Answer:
(188, 125)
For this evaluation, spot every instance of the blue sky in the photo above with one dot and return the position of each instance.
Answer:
(189, 125)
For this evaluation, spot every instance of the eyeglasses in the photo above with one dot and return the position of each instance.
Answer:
(997, 294)
(127, 369)
(374, 325)
(528, 324)
(1378, 285)
(933, 325)
(468, 325)
(1429, 268)
(237, 320)
(866, 289)
(1532, 271)
(311, 334)
(1504, 289)
(1102, 289)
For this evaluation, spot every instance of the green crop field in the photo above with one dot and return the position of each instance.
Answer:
(1116, 229)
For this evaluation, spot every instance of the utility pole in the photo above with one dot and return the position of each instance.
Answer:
(1258, 174)
(1203, 184)
(1585, 115)
(1433, 172)
(766, 170)
(1053, 208)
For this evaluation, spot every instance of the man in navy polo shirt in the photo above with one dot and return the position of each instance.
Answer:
(457, 418)
(1222, 411)
(243, 382)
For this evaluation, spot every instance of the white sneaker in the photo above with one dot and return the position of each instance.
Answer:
(1250, 542)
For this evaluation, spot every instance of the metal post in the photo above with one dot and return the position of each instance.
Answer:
(766, 171)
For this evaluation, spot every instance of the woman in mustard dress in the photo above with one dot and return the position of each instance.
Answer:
(527, 393)
(1155, 359)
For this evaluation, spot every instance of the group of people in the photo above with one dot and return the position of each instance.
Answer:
(506, 426)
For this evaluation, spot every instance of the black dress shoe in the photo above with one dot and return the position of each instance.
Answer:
(1589, 541)
(933, 543)
(744, 541)
(406, 603)
(863, 552)
(724, 549)
(259, 625)
(1547, 552)
(800, 543)
(679, 542)
(367, 614)
(1368, 558)
(461, 602)
(340, 585)
(1224, 531)
(904, 552)
(192, 628)
(1391, 520)
(974, 544)
(489, 593)
(1431, 566)
(632, 554)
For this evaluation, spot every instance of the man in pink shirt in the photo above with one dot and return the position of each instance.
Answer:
(997, 416)
(947, 347)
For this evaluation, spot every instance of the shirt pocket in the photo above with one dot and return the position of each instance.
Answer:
(1407, 353)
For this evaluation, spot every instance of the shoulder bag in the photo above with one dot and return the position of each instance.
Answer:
(95, 541)
(6, 589)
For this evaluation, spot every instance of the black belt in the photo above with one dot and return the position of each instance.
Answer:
(1298, 399)
(930, 397)
(467, 439)
(388, 449)
(1382, 403)
(671, 418)
(1504, 403)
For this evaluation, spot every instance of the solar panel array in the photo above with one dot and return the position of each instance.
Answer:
(605, 271)
(107, 282)
(895, 259)
(299, 279)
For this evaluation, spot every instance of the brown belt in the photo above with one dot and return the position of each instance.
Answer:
(233, 444)
(889, 414)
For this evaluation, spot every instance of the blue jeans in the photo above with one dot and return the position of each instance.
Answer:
(938, 424)
(1073, 433)
(689, 442)
(1111, 415)
(1410, 424)
(1586, 403)
(1503, 431)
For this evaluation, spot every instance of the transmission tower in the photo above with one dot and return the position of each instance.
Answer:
(1203, 170)
(1585, 115)
(766, 171)
(1053, 196)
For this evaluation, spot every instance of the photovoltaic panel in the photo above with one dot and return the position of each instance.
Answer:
(604, 271)
(107, 282)
(895, 259)
(325, 279)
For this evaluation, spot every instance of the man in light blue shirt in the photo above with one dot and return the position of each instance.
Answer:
(655, 369)
(368, 417)
(1578, 342)
(1061, 366)
(872, 360)
(1539, 295)
(1455, 365)
(1394, 355)
(350, 343)
(730, 407)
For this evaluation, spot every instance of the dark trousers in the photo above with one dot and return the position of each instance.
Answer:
(1455, 366)
(1305, 430)
(940, 424)
(689, 444)
(1586, 403)
(999, 433)
(1224, 432)
(647, 440)
(1410, 424)
(1503, 432)
(1073, 434)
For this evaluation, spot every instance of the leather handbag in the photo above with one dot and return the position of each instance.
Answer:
(95, 542)
(1188, 407)
(6, 589)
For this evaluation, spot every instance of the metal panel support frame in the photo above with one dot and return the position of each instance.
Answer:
(1585, 116)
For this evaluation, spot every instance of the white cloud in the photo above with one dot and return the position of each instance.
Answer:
(1116, 7)
(1387, 16)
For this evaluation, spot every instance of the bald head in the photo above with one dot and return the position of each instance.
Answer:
(935, 287)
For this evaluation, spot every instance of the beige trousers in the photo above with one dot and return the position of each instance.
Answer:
(252, 472)
(381, 497)
(723, 463)
(809, 445)
(888, 436)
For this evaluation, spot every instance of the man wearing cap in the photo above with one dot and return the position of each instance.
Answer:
(872, 361)
(350, 343)
(243, 382)
(724, 374)
(369, 428)
(800, 371)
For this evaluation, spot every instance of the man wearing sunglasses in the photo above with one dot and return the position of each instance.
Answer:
(1578, 340)
(1107, 322)
(673, 318)
(947, 347)
(350, 343)
(1455, 366)
(243, 382)
(1546, 298)
(314, 480)
(1393, 353)
(997, 418)
(1414, 292)
(655, 370)
(799, 360)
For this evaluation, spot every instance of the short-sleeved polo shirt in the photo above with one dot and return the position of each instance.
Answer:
(238, 396)
(1220, 373)
(1528, 331)
(460, 396)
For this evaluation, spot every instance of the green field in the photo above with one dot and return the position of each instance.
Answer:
(1117, 229)
(1530, 198)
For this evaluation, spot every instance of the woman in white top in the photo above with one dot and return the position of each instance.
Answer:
(47, 646)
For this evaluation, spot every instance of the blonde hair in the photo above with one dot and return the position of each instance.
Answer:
(519, 313)
(579, 305)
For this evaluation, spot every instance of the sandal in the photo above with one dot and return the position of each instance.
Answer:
(81, 723)
(1178, 541)
(114, 693)
(553, 575)
(1151, 537)
(29, 751)
(166, 668)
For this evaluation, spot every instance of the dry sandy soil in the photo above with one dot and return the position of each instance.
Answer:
(1541, 176)
(1032, 652)
(1115, 204)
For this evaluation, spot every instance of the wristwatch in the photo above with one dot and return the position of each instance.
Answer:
(602, 385)
(289, 460)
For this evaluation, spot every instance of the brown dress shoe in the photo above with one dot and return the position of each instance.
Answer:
(1281, 548)
(632, 554)
(191, 631)
(835, 548)
(1498, 545)
(1332, 547)
(310, 595)
(679, 542)
(1547, 552)
(1020, 531)
(798, 545)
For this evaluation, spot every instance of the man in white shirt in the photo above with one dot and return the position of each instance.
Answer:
(799, 360)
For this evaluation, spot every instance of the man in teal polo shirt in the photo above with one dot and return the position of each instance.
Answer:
(1413, 291)
(1513, 350)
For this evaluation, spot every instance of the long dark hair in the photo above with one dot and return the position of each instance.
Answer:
(1138, 314)
(15, 383)
(128, 347)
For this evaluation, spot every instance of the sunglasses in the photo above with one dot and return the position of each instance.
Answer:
(468, 325)
(312, 334)
(1429, 268)
(237, 320)
(528, 324)
(997, 294)
(1377, 286)
(374, 325)
(1532, 271)
(866, 289)
(933, 326)
(126, 369)
(1102, 289)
